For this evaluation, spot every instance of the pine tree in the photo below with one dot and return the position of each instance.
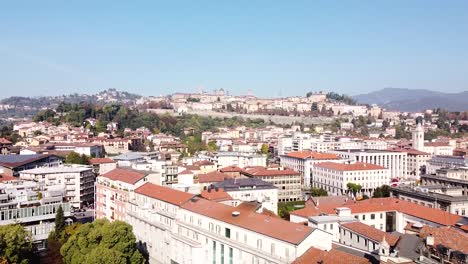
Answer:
(59, 222)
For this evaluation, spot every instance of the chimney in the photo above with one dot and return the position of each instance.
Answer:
(235, 213)
(430, 240)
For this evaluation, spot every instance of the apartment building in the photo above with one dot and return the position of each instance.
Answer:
(287, 181)
(112, 192)
(102, 165)
(251, 189)
(416, 161)
(176, 227)
(397, 162)
(334, 177)
(239, 159)
(304, 161)
(78, 181)
(12, 164)
(33, 205)
(442, 162)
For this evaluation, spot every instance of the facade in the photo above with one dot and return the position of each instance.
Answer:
(20, 203)
(443, 197)
(367, 238)
(113, 190)
(252, 189)
(395, 161)
(416, 161)
(303, 162)
(334, 177)
(433, 148)
(287, 181)
(175, 227)
(102, 165)
(12, 164)
(239, 159)
(443, 162)
(78, 182)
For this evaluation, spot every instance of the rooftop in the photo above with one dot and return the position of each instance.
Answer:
(312, 155)
(262, 171)
(242, 184)
(100, 161)
(371, 232)
(214, 176)
(124, 175)
(164, 194)
(60, 169)
(448, 237)
(13, 160)
(357, 166)
(315, 256)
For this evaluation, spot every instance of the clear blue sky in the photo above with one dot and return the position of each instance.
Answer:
(271, 47)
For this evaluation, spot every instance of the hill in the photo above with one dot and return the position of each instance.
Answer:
(414, 100)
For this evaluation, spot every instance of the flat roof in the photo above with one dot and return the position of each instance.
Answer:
(61, 169)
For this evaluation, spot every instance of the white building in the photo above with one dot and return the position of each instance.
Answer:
(397, 162)
(78, 181)
(334, 177)
(175, 227)
(239, 159)
(433, 148)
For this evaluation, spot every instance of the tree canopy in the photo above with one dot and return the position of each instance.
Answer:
(16, 244)
(316, 192)
(382, 191)
(75, 158)
(102, 242)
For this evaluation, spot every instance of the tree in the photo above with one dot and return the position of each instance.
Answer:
(59, 222)
(354, 188)
(102, 242)
(316, 192)
(75, 158)
(382, 191)
(16, 244)
(211, 146)
(264, 149)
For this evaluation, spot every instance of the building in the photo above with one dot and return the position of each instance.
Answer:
(113, 190)
(443, 197)
(251, 189)
(239, 159)
(395, 161)
(287, 181)
(33, 205)
(367, 238)
(5, 146)
(433, 148)
(334, 177)
(445, 162)
(102, 165)
(416, 161)
(176, 227)
(77, 180)
(303, 162)
(12, 164)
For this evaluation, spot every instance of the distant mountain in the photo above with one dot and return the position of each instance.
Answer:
(415, 100)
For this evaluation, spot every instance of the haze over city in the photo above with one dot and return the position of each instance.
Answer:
(271, 48)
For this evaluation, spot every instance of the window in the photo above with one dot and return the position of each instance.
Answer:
(381, 216)
(372, 216)
(363, 217)
(357, 239)
(222, 254)
(230, 255)
(214, 252)
(227, 232)
(259, 243)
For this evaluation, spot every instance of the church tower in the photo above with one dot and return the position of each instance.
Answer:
(418, 137)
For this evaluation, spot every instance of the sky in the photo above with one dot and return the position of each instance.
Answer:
(272, 48)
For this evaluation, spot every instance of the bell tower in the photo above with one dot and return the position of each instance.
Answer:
(418, 137)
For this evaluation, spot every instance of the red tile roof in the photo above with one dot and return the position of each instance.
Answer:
(449, 237)
(5, 178)
(312, 155)
(393, 204)
(5, 141)
(211, 177)
(410, 151)
(186, 172)
(164, 193)
(230, 169)
(124, 175)
(358, 166)
(436, 144)
(371, 232)
(262, 171)
(315, 256)
(269, 226)
(192, 167)
(217, 196)
(101, 161)
(204, 163)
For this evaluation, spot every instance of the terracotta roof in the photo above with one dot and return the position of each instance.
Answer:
(358, 166)
(336, 201)
(5, 141)
(307, 212)
(211, 177)
(269, 226)
(4, 178)
(436, 144)
(164, 193)
(393, 204)
(312, 155)
(230, 169)
(316, 256)
(124, 175)
(185, 172)
(192, 167)
(446, 236)
(101, 161)
(410, 151)
(371, 232)
(216, 195)
(203, 163)
(262, 171)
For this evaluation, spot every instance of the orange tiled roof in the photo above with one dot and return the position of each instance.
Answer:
(262, 171)
(4, 178)
(124, 175)
(164, 193)
(211, 177)
(371, 232)
(216, 195)
(358, 166)
(315, 255)
(230, 169)
(270, 226)
(312, 155)
(185, 172)
(100, 160)
(449, 237)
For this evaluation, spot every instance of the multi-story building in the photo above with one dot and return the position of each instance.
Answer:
(252, 189)
(239, 159)
(416, 161)
(12, 164)
(334, 177)
(78, 181)
(112, 192)
(286, 180)
(303, 162)
(442, 162)
(176, 227)
(33, 205)
(443, 197)
(102, 165)
(397, 162)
